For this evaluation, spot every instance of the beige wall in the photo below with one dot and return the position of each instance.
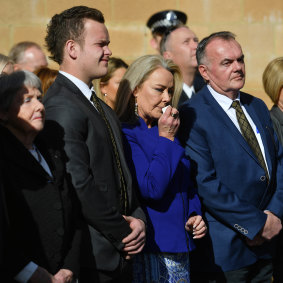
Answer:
(258, 25)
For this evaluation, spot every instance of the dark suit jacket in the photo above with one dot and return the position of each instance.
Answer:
(78, 130)
(231, 182)
(42, 224)
(198, 84)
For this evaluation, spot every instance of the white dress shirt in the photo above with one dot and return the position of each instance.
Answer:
(189, 90)
(225, 103)
(82, 86)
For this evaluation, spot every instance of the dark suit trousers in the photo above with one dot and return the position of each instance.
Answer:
(123, 274)
(259, 272)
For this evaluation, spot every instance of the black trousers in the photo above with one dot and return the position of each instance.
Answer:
(123, 274)
(259, 272)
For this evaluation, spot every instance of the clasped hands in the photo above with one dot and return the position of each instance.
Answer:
(270, 229)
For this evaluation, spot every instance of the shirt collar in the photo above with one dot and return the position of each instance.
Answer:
(82, 86)
(188, 90)
(224, 101)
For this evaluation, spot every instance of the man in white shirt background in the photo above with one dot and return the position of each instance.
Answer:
(179, 44)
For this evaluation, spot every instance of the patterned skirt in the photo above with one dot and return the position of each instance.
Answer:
(161, 268)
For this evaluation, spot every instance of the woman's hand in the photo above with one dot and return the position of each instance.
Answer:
(196, 226)
(169, 123)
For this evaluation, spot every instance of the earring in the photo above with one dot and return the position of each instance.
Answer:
(105, 94)
(136, 107)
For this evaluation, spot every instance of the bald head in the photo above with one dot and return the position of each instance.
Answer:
(180, 46)
(28, 56)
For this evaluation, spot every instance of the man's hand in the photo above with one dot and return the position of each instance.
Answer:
(64, 275)
(41, 275)
(196, 226)
(135, 241)
(271, 227)
(256, 241)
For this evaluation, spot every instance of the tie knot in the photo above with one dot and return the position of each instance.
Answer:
(235, 104)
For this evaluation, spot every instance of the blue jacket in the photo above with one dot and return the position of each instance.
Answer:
(162, 174)
(230, 180)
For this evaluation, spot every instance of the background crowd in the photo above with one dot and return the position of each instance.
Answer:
(162, 170)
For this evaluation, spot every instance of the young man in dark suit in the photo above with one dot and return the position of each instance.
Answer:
(88, 133)
(229, 137)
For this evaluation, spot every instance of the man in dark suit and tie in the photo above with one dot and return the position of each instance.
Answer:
(179, 43)
(238, 162)
(88, 133)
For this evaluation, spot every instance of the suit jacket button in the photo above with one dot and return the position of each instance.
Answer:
(246, 232)
(236, 226)
(262, 178)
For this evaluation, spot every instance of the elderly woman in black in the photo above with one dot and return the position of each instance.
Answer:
(42, 235)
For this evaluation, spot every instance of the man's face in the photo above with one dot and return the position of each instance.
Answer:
(33, 60)
(224, 66)
(155, 42)
(93, 54)
(181, 48)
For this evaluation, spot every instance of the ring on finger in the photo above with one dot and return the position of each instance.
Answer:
(174, 115)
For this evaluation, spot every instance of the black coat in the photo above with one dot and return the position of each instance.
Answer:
(79, 132)
(198, 83)
(42, 211)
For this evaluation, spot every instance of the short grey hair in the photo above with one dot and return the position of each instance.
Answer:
(17, 52)
(166, 36)
(10, 85)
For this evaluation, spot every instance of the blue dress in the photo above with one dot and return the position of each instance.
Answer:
(162, 175)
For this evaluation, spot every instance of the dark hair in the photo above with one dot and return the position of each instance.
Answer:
(225, 35)
(68, 25)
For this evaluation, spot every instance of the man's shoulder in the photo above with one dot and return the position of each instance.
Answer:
(196, 101)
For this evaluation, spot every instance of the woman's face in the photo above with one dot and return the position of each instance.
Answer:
(154, 94)
(110, 89)
(8, 69)
(26, 115)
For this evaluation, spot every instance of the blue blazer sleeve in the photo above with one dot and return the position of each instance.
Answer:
(220, 201)
(155, 160)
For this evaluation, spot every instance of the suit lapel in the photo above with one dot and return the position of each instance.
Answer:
(224, 119)
(76, 95)
(261, 128)
(118, 138)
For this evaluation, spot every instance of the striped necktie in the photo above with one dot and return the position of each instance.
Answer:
(123, 193)
(249, 135)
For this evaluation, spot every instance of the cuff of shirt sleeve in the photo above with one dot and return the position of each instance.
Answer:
(26, 273)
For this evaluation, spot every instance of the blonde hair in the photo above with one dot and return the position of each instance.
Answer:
(272, 79)
(4, 61)
(113, 65)
(135, 76)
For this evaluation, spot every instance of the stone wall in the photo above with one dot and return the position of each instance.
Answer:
(258, 25)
